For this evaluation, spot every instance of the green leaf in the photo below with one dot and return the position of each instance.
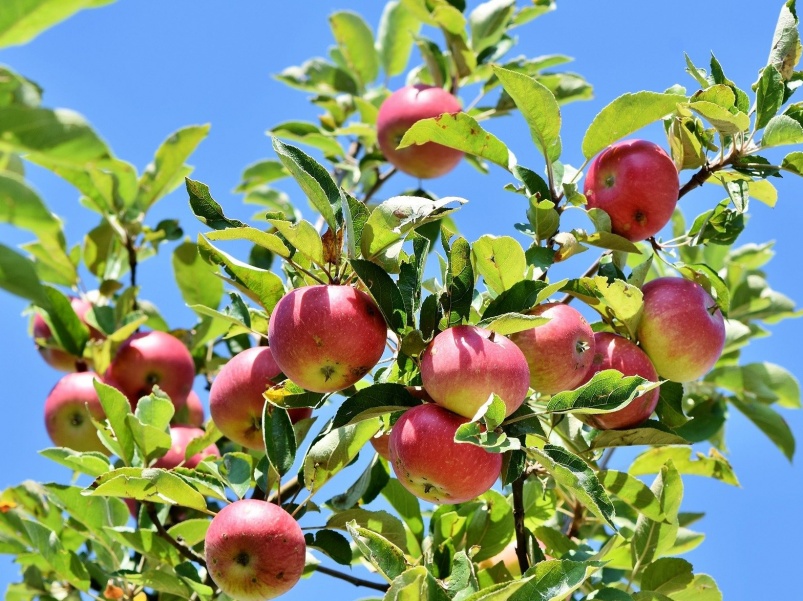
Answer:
(260, 173)
(318, 76)
(769, 95)
(151, 442)
(462, 132)
(117, 409)
(93, 463)
(70, 332)
(781, 130)
(539, 108)
(381, 522)
(510, 323)
(279, 437)
(459, 286)
(500, 261)
(195, 277)
(686, 461)
(334, 544)
(520, 298)
(572, 472)
(303, 236)
(206, 209)
(364, 489)
(786, 48)
(22, 207)
(633, 492)
(702, 588)
(62, 136)
(374, 401)
(23, 20)
(238, 470)
(167, 170)
(770, 422)
(396, 36)
(667, 575)
(386, 557)
(270, 242)
(416, 583)
(552, 580)
(625, 115)
(314, 180)
(765, 382)
(650, 433)
(148, 484)
(309, 134)
(607, 391)
(651, 538)
(488, 23)
(334, 451)
(356, 43)
(391, 221)
(18, 276)
(384, 291)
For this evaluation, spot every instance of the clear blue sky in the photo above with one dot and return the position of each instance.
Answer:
(140, 70)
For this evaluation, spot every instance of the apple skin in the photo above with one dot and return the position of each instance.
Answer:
(431, 465)
(381, 440)
(463, 365)
(192, 414)
(558, 352)
(153, 358)
(254, 550)
(66, 419)
(326, 338)
(509, 558)
(236, 398)
(681, 329)
(57, 357)
(398, 113)
(182, 436)
(637, 184)
(617, 352)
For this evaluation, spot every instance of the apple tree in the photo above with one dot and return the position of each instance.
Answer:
(384, 392)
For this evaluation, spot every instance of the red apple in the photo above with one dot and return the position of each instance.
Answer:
(558, 352)
(68, 408)
(51, 353)
(398, 113)
(326, 338)
(254, 550)
(681, 329)
(509, 558)
(463, 365)
(153, 358)
(182, 436)
(236, 398)
(381, 444)
(431, 465)
(637, 184)
(617, 352)
(192, 414)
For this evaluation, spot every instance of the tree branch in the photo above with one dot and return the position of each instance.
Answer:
(184, 550)
(380, 180)
(518, 521)
(288, 490)
(377, 586)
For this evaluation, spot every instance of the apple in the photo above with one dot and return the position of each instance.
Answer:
(182, 436)
(464, 365)
(682, 329)
(153, 358)
(508, 558)
(381, 439)
(617, 352)
(326, 338)
(637, 184)
(431, 465)
(192, 414)
(50, 352)
(558, 352)
(68, 408)
(254, 550)
(398, 113)
(236, 398)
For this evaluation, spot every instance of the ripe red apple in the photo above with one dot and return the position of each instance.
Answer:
(558, 352)
(381, 444)
(431, 465)
(68, 408)
(326, 338)
(463, 365)
(192, 414)
(617, 352)
(54, 356)
(236, 397)
(182, 436)
(398, 113)
(682, 329)
(153, 358)
(637, 184)
(254, 550)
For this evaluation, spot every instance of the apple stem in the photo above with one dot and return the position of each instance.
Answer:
(518, 517)
(377, 586)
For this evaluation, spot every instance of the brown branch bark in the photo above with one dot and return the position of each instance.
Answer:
(518, 521)
(184, 550)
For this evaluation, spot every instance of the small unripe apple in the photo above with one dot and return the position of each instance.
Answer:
(153, 358)
(236, 398)
(617, 352)
(637, 184)
(558, 352)
(254, 550)
(182, 436)
(68, 408)
(682, 329)
(464, 365)
(398, 113)
(431, 465)
(192, 414)
(326, 338)
(56, 357)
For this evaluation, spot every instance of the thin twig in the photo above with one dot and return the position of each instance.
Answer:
(380, 180)
(518, 521)
(377, 586)
(288, 489)
(184, 550)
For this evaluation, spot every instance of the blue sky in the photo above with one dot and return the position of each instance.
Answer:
(140, 70)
